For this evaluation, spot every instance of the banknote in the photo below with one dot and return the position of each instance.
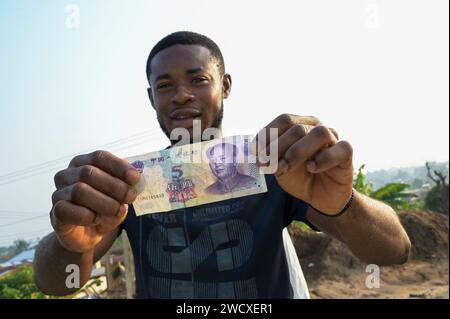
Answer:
(196, 174)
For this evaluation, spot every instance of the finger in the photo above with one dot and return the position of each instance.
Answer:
(339, 154)
(281, 123)
(110, 222)
(98, 179)
(85, 195)
(285, 141)
(335, 133)
(67, 213)
(304, 149)
(109, 163)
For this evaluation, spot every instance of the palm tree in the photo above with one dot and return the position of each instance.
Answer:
(392, 194)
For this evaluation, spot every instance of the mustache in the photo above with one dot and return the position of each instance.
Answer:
(217, 123)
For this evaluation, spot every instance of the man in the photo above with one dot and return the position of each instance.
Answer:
(229, 249)
(223, 164)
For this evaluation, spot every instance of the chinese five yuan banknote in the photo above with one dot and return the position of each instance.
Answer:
(196, 174)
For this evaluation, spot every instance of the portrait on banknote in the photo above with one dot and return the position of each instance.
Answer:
(224, 163)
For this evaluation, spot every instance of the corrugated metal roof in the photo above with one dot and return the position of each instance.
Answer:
(25, 256)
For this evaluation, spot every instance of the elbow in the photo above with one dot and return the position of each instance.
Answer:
(47, 285)
(404, 256)
(396, 256)
(402, 253)
(52, 291)
(388, 255)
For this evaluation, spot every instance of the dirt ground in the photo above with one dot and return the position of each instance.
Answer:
(333, 272)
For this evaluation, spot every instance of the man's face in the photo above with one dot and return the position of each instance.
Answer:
(186, 85)
(222, 161)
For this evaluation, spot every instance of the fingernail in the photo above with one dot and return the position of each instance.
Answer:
(131, 196)
(311, 166)
(282, 167)
(133, 175)
(122, 210)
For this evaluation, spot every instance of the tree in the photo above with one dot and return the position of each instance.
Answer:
(20, 245)
(392, 194)
(360, 182)
(20, 285)
(437, 198)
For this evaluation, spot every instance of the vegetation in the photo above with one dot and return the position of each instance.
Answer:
(392, 194)
(16, 248)
(437, 197)
(20, 285)
(415, 176)
(397, 196)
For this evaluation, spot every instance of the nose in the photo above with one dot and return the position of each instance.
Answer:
(182, 96)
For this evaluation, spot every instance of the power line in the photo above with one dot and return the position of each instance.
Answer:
(5, 242)
(14, 217)
(59, 166)
(17, 236)
(20, 213)
(56, 165)
(10, 214)
(67, 157)
(24, 220)
(63, 160)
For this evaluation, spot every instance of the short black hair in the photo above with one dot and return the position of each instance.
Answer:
(190, 38)
(210, 151)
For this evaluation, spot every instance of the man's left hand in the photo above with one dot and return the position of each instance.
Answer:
(313, 165)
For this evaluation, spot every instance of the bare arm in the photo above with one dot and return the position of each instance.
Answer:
(371, 229)
(51, 260)
(316, 167)
(89, 204)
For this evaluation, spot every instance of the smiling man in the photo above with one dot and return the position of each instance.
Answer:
(236, 248)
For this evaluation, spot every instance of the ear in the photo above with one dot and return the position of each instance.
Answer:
(226, 85)
(150, 96)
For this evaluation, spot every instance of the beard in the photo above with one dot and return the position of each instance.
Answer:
(217, 123)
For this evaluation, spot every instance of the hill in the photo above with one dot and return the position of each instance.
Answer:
(332, 271)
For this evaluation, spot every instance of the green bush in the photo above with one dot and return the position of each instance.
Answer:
(20, 285)
(435, 201)
(392, 194)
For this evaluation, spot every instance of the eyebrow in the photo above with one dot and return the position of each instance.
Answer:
(195, 70)
(166, 76)
(162, 77)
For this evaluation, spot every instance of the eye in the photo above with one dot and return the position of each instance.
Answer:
(199, 80)
(163, 86)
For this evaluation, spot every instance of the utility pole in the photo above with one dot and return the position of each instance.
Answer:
(129, 266)
(108, 271)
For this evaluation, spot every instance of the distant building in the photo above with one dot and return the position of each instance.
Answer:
(25, 257)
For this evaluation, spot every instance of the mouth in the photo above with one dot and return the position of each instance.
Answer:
(219, 170)
(184, 117)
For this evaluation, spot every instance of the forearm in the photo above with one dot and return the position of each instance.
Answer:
(50, 262)
(371, 229)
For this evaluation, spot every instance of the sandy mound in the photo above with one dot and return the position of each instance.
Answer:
(333, 272)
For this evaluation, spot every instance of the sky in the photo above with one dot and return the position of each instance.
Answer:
(72, 79)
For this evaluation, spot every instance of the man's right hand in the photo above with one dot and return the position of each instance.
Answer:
(91, 199)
